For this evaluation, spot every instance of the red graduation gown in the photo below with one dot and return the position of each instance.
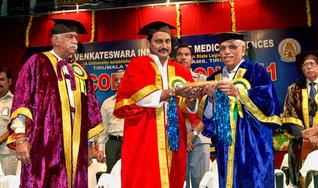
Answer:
(146, 158)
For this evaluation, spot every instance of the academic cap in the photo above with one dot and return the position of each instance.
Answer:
(231, 36)
(156, 26)
(301, 57)
(65, 25)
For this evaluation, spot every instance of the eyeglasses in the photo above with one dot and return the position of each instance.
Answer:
(306, 65)
(230, 47)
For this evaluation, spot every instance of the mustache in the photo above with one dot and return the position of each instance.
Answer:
(226, 56)
(72, 46)
(164, 49)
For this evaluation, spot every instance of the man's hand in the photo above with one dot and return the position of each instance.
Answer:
(228, 88)
(209, 90)
(165, 94)
(100, 156)
(307, 133)
(190, 145)
(23, 152)
(313, 141)
(186, 92)
(191, 95)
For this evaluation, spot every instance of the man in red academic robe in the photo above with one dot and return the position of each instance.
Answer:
(142, 100)
(54, 113)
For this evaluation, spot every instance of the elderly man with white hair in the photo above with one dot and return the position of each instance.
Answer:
(240, 112)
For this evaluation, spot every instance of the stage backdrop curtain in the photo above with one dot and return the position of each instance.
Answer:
(205, 18)
(123, 24)
(196, 18)
(12, 43)
(270, 14)
(41, 27)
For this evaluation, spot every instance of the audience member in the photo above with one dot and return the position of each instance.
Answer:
(8, 159)
(198, 146)
(109, 141)
(299, 116)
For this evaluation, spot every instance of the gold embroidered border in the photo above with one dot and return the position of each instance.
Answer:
(315, 118)
(163, 153)
(136, 97)
(76, 126)
(10, 139)
(23, 111)
(201, 106)
(231, 149)
(304, 94)
(218, 76)
(240, 73)
(241, 82)
(95, 131)
(66, 120)
(293, 121)
(255, 111)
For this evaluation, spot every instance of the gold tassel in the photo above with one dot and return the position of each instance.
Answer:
(178, 21)
(27, 32)
(308, 13)
(233, 16)
(93, 27)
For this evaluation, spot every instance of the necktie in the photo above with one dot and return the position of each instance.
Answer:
(312, 91)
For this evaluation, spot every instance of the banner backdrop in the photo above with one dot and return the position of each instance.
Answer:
(275, 49)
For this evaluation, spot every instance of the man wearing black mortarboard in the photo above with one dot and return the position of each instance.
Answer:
(240, 112)
(299, 117)
(54, 113)
(154, 143)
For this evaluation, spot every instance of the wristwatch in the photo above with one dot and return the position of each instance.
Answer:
(194, 132)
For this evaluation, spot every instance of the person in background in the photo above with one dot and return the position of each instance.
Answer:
(54, 113)
(8, 159)
(198, 146)
(241, 110)
(154, 142)
(110, 140)
(299, 116)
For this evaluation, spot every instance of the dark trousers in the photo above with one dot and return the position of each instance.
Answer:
(113, 153)
(294, 161)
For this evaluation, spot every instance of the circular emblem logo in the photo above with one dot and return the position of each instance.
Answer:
(288, 49)
(177, 82)
(79, 71)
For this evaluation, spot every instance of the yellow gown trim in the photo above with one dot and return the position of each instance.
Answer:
(163, 150)
(137, 96)
(23, 111)
(70, 148)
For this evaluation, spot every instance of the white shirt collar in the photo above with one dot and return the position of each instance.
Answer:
(315, 81)
(230, 74)
(8, 94)
(157, 61)
(58, 57)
